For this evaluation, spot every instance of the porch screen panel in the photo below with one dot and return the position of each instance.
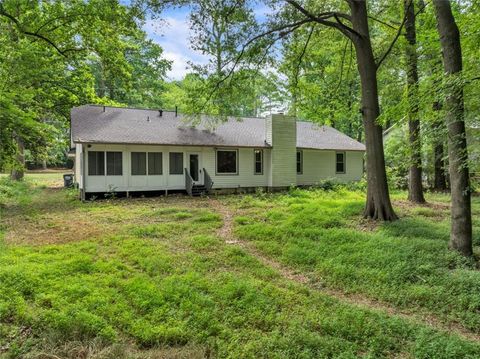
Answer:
(96, 163)
(155, 163)
(139, 163)
(114, 164)
(176, 163)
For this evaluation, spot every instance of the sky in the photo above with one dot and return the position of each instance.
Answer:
(172, 33)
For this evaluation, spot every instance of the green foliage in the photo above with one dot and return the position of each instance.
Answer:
(13, 191)
(406, 263)
(160, 281)
(57, 55)
(323, 82)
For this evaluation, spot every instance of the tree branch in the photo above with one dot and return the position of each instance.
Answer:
(382, 22)
(394, 41)
(29, 33)
(300, 58)
(397, 35)
(282, 33)
(322, 18)
(341, 68)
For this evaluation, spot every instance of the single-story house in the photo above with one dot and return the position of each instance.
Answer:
(127, 150)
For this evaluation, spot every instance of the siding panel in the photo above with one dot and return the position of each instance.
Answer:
(319, 165)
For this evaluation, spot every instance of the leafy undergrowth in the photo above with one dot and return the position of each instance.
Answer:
(405, 263)
(14, 192)
(158, 282)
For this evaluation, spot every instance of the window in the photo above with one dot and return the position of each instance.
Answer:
(96, 163)
(114, 163)
(176, 163)
(139, 163)
(227, 162)
(340, 159)
(155, 163)
(258, 161)
(299, 162)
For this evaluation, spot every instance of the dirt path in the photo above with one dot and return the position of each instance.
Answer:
(358, 300)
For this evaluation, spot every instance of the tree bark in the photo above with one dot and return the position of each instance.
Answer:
(18, 172)
(461, 214)
(439, 180)
(378, 204)
(415, 188)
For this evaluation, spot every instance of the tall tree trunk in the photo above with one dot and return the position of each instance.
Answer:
(415, 188)
(378, 204)
(18, 172)
(439, 180)
(461, 229)
(111, 89)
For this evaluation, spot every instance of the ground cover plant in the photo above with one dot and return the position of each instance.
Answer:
(209, 277)
(405, 263)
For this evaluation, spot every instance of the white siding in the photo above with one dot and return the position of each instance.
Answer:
(77, 167)
(128, 182)
(319, 164)
(279, 164)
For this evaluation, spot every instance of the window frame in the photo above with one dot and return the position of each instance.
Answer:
(255, 161)
(131, 163)
(161, 163)
(96, 164)
(170, 164)
(344, 162)
(301, 162)
(237, 160)
(121, 162)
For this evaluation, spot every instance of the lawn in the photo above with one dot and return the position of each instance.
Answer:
(297, 274)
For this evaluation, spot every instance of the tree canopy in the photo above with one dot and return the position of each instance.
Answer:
(372, 69)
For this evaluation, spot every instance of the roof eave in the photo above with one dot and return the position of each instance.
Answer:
(87, 142)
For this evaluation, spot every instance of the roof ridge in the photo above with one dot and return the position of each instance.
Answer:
(128, 107)
(161, 109)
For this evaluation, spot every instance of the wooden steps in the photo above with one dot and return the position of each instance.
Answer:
(199, 190)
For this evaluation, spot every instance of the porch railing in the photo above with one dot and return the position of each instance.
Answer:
(188, 182)
(207, 180)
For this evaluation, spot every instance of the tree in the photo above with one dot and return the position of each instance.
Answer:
(354, 25)
(45, 56)
(461, 215)
(378, 204)
(324, 87)
(439, 179)
(137, 78)
(219, 28)
(415, 188)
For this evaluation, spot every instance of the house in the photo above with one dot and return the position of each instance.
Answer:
(127, 150)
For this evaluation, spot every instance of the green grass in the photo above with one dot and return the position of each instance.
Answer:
(151, 278)
(405, 263)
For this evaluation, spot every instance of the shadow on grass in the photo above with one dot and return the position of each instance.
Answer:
(417, 228)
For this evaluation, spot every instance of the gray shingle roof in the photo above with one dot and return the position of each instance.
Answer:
(90, 124)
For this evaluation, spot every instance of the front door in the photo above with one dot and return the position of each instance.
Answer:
(194, 167)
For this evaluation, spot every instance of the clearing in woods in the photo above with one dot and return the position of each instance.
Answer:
(297, 274)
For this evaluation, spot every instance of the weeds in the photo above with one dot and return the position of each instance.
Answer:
(153, 280)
